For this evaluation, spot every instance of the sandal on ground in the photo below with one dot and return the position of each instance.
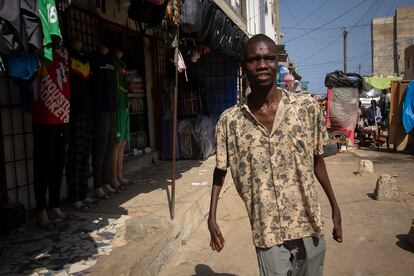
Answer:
(116, 190)
(90, 200)
(65, 217)
(105, 196)
(83, 207)
(125, 181)
(48, 226)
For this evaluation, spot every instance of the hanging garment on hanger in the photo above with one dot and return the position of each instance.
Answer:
(22, 67)
(181, 65)
(408, 108)
(51, 104)
(50, 26)
(20, 31)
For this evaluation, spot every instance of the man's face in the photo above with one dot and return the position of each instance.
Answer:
(261, 64)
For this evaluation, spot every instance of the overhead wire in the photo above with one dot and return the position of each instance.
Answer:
(323, 48)
(390, 53)
(331, 62)
(330, 21)
(322, 29)
(297, 22)
(312, 12)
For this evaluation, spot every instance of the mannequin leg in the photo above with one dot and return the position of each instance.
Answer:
(56, 172)
(77, 169)
(74, 160)
(100, 142)
(42, 159)
(120, 163)
(87, 154)
(107, 172)
(115, 184)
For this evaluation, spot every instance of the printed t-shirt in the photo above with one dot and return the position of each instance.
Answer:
(50, 26)
(51, 103)
(103, 82)
(81, 99)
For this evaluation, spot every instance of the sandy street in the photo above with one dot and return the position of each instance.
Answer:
(374, 231)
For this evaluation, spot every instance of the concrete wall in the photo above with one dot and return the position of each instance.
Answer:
(409, 63)
(261, 18)
(404, 34)
(390, 36)
(253, 17)
(276, 21)
(268, 20)
(382, 32)
(148, 89)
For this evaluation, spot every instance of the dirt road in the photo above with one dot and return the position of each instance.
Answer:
(373, 230)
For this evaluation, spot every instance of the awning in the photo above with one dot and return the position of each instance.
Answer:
(380, 83)
(281, 53)
(224, 6)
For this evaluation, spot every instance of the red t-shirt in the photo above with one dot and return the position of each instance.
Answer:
(51, 103)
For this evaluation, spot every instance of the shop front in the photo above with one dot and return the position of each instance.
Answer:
(16, 138)
(213, 83)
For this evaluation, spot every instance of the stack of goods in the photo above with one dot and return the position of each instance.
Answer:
(137, 110)
(196, 137)
(137, 105)
(135, 82)
(343, 99)
(190, 101)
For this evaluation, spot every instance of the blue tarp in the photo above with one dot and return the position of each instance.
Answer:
(408, 108)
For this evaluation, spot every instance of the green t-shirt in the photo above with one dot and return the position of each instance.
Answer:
(50, 26)
(122, 96)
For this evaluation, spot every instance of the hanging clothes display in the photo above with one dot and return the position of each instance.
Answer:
(50, 110)
(22, 66)
(50, 26)
(51, 103)
(20, 31)
(408, 108)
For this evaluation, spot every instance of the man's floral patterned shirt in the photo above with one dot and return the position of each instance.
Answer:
(274, 171)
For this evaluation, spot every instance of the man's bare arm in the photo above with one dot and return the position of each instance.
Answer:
(322, 176)
(217, 240)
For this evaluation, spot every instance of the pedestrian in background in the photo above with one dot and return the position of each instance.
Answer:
(273, 142)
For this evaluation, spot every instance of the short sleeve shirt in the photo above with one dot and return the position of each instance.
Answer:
(273, 171)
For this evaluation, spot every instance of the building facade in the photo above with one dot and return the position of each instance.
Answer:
(390, 36)
(263, 17)
(409, 63)
(145, 51)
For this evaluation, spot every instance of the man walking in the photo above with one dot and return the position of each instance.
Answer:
(273, 142)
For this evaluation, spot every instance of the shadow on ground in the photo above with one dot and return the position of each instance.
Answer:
(75, 245)
(402, 243)
(205, 270)
(146, 180)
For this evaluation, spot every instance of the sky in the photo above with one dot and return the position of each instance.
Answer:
(317, 52)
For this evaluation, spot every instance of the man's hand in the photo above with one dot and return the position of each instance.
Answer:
(217, 241)
(337, 230)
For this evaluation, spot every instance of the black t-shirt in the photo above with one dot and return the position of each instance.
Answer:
(81, 98)
(103, 82)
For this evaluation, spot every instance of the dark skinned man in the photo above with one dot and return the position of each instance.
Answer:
(273, 143)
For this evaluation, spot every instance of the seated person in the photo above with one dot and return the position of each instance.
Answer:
(373, 114)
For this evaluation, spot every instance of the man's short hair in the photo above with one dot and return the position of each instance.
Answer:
(258, 38)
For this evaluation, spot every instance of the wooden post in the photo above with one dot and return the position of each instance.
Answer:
(174, 146)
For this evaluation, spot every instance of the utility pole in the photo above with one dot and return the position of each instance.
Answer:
(345, 34)
(359, 69)
(396, 58)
